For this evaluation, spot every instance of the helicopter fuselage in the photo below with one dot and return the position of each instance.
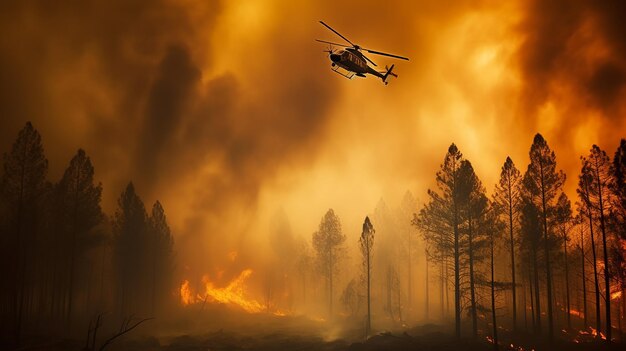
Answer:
(353, 61)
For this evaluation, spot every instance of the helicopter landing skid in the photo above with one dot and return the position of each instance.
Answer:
(340, 70)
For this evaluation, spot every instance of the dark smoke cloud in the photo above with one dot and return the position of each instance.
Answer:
(158, 92)
(560, 40)
(132, 83)
(176, 81)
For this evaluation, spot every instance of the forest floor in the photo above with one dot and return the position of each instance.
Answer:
(263, 332)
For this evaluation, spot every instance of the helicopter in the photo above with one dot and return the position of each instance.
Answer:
(353, 61)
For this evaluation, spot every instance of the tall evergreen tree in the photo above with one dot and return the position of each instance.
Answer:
(131, 244)
(327, 242)
(563, 219)
(408, 206)
(584, 192)
(507, 198)
(530, 240)
(598, 167)
(618, 216)
(439, 222)
(366, 243)
(544, 183)
(23, 187)
(79, 212)
(474, 204)
(162, 255)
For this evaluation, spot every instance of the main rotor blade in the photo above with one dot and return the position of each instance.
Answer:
(368, 59)
(334, 31)
(328, 42)
(385, 54)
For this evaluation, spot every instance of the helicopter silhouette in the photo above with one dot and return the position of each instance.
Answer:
(353, 61)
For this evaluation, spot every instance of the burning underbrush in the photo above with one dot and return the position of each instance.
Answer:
(235, 294)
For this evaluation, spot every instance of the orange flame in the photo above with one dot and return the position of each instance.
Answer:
(186, 296)
(616, 295)
(577, 313)
(592, 332)
(233, 293)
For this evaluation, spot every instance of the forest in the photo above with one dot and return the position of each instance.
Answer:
(518, 267)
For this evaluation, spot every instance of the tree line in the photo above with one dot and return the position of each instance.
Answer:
(554, 251)
(523, 259)
(64, 260)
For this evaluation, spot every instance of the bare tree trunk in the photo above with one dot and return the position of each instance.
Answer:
(409, 275)
(547, 254)
(532, 303)
(493, 302)
(426, 307)
(567, 309)
(607, 273)
(457, 274)
(537, 295)
(595, 273)
(524, 303)
(443, 283)
(514, 286)
(582, 255)
(471, 278)
(368, 326)
(330, 284)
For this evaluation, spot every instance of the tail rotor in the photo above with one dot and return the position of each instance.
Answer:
(388, 72)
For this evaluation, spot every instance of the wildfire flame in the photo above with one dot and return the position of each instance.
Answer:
(234, 293)
(186, 296)
(577, 313)
(592, 332)
(616, 295)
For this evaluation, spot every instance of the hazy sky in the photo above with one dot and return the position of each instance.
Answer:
(227, 111)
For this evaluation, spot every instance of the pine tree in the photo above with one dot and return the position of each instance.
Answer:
(366, 244)
(473, 207)
(584, 193)
(162, 255)
(618, 216)
(598, 167)
(23, 187)
(327, 242)
(530, 240)
(408, 206)
(507, 198)
(131, 244)
(543, 182)
(439, 223)
(563, 219)
(79, 204)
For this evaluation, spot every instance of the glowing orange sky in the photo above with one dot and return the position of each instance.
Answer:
(227, 111)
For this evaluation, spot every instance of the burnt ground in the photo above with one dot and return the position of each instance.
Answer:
(221, 332)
